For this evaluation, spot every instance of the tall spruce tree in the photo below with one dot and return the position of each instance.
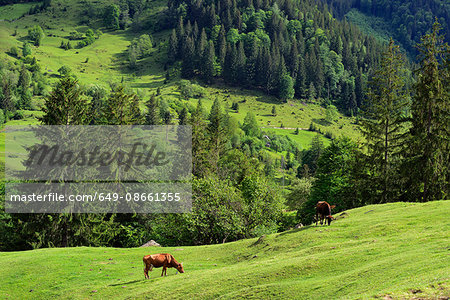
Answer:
(200, 164)
(240, 76)
(431, 120)
(222, 46)
(300, 81)
(384, 127)
(122, 108)
(152, 115)
(173, 46)
(183, 116)
(64, 105)
(208, 62)
(216, 132)
(188, 67)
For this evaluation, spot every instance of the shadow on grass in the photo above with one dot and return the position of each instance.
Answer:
(268, 99)
(308, 227)
(322, 122)
(129, 282)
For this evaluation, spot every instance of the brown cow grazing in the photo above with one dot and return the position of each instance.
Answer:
(164, 260)
(323, 210)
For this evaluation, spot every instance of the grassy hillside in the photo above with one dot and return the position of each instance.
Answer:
(104, 62)
(395, 250)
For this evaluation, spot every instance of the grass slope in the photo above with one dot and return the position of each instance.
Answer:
(398, 250)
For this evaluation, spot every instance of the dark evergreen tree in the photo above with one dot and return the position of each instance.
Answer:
(188, 66)
(216, 133)
(429, 143)
(300, 81)
(152, 115)
(208, 62)
(65, 105)
(122, 108)
(200, 165)
(173, 46)
(359, 89)
(183, 117)
(384, 126)
(201, 45)
(240, 76)
(230, 66)
(221, 46)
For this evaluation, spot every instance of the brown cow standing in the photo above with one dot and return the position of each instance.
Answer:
(323, 210)
(164, 260)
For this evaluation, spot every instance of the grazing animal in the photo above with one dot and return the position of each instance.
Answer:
(323, 210)
(164, 260)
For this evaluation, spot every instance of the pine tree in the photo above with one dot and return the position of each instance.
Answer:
(180, 28)
(97, 106)
(300, 81)
(430, 120)
(25, 100)
(312, 94)
(319, 80)
(230, 66)
(188, 28)
(216, 132)
(164, 112)
(359, 89)
(122, 108)
(64, 105)
(195, 31)
(188, 67)
(251, 64)
(173, 46)
(294, 60)
(199, 143)
(152, 115)
(135, 116)
(201, 45)
(240, 64)
(384, 127)
(208, 62)
(183, 116)
(222, 46)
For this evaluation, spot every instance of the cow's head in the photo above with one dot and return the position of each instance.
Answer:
(180, 268)
(329, 219)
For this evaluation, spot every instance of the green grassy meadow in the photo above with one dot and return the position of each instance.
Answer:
(15, 11)
(390, 251)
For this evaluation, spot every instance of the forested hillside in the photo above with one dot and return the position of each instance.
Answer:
(285, 48)
(407, 20)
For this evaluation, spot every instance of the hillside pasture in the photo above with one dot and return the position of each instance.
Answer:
(389, 251)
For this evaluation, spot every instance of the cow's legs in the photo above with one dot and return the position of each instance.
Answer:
(146, 272)
(164, 269)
